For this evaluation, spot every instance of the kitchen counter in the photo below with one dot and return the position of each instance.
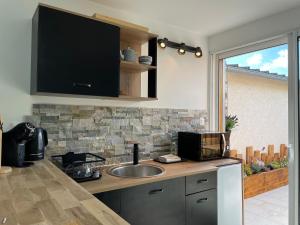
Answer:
(109, 183)
(42, 194)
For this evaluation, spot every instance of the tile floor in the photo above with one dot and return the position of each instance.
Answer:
(270, 208)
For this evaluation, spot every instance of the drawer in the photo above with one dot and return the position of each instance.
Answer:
(201, 182)
(202, 208)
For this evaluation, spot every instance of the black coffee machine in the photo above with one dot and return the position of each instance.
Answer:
(23, 143)
(13, 144)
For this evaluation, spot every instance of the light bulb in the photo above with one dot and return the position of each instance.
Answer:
(163, 42)
(163, 45)
(181, 49)
(198, 52)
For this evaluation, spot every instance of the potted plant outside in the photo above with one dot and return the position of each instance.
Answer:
(231, 121)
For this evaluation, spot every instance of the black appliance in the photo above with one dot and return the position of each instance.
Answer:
(80, 166)
(35, 148)
(201, 146)
(13, 145)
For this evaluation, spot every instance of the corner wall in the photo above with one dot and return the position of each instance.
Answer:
(262, 29)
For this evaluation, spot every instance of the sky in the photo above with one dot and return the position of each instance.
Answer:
(274, 60)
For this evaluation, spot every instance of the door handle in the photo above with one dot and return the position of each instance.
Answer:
(156, 191)
(87, 85)
(290, 152)
(225, 143)
(201, 200)
(202, 181)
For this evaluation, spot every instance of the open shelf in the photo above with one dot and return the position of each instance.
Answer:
(135, 67)
(134, 36)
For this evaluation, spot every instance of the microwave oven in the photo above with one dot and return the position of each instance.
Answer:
(201, 146)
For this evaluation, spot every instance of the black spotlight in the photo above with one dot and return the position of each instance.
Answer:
(198, 52)
(163, 42)
(181, 49)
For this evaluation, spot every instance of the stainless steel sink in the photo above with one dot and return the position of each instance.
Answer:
(136, 171)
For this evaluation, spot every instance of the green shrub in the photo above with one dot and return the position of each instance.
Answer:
(257, 168)
(284, 163)
(247, 170)
(275, 165)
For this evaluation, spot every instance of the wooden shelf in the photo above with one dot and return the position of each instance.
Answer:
(137, 36)
(135, 67)
(135, 98)
(129, 32)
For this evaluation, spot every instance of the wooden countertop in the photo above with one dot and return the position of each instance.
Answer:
(44, 195)
(109, 183)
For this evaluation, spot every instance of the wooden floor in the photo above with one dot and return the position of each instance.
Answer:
(270, 208)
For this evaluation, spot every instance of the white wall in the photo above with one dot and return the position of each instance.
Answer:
(265, 28)
(182, 80)
(261, 104)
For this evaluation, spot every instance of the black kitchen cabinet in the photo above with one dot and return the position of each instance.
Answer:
(201, 182)
(180, 201)
(112, 199)
(201, 208)
(74, 54)
(161, 203)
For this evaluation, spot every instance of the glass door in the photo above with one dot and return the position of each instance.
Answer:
(219, 107)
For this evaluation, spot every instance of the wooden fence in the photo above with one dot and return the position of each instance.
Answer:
(266, 181)
(266, 156)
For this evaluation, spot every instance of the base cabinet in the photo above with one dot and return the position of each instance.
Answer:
(180, 201)
(201, 208)
(112, 199)
(161, 203)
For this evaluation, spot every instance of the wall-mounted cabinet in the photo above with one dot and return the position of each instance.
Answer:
(78, 55)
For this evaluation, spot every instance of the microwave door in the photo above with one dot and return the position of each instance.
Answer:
(211, 151)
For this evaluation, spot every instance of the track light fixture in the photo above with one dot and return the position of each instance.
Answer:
(181, 47)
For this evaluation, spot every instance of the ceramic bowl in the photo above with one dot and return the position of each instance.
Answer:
(145, 60)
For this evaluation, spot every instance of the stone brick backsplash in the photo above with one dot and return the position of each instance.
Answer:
(111, 131)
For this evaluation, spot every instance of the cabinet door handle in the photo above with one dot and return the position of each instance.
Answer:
(87, 85)
(202, 181)
(156, 191)
(202, 200)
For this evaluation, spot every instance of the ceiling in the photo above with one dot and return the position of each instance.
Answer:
(203, 16)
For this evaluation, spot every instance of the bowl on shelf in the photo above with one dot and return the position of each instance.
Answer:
(145, 60)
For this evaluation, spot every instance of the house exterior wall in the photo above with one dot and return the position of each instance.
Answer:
(261, 104)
